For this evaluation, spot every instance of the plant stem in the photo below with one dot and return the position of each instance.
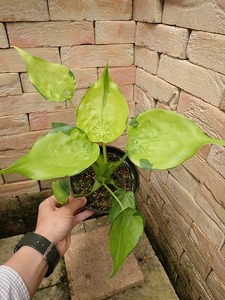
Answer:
(114, 196)
(71, 103)
(104, 153)
(218, 142)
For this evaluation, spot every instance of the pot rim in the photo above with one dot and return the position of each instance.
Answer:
(133, 171)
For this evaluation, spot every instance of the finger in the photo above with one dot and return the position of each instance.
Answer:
(82, 216)
(48, 204)
(74, 204)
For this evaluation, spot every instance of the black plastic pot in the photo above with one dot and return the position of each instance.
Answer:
(128, 168)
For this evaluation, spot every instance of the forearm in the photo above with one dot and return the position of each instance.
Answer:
(31, 265)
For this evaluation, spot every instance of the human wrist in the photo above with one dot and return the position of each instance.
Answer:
(42, 245)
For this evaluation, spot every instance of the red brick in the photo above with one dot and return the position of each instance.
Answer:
(90, 247)
(43, 34)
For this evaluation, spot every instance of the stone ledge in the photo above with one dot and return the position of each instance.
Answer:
(89, 264)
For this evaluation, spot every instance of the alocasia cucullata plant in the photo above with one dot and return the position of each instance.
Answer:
(157, 139)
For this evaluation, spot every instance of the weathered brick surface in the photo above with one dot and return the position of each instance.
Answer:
(199, 289)
(203, 83)
(209, 117)
(162, 38)
(180, 66)
(200, 15)
(90, 10)
(209, 204)
(143, 100)
(122, 75)
(216, 159)
(97, 55)
(44, 34)
(181, 214)
(216, 286)
(10, 84)
(3, 37)
(27, 103)
(203, 45)
(14, 124)
(44, 120)
(207, 175)
(146, 59)
(85, 77)
(19, 188)
(209, 251)
(20, 141)
(114, 32)
(204, 222)
(10, 60)
(148, 11)
(9, 157)
(156, 87)
(9, 178)
(186, 179)
(172, 219)
(12, 11)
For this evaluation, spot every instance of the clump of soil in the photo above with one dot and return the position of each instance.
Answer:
(99, 201)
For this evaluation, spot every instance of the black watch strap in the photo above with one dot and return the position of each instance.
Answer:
(42, 245)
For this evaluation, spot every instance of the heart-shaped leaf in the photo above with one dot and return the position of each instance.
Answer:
(53, 81)
(160, 139)
(64, 151)
(61, 190)
(103, 111)
(125, 233)
(126, 198)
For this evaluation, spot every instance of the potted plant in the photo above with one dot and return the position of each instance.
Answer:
(157, 139)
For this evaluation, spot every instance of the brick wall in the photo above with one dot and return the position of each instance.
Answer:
(167, 54)
(181, 66)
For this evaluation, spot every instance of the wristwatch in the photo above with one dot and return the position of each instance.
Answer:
(42, 245)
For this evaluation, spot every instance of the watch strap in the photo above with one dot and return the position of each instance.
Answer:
(42, 245)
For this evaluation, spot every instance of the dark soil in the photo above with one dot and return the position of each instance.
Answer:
(99, 201)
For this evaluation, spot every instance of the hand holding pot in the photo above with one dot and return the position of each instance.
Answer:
(55, 223)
